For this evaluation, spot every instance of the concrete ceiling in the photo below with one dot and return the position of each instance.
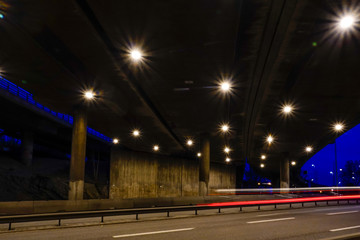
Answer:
(56, 49)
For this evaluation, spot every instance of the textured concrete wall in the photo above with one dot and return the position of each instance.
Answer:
(145, 175)
(221, 176)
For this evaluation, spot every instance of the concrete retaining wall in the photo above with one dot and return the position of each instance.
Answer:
(34, 207)
(145, 175)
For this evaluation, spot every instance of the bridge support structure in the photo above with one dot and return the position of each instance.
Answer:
(78, 152)
(204, 167)
(285, 172)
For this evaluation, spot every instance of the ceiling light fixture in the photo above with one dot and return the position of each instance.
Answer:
(89, 95)
(226, 149)
(136, 133)
(346, 22)
(136, 55)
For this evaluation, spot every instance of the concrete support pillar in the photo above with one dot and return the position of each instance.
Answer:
(78, 151)
(27, 148)
(204, 167)
(285, 172)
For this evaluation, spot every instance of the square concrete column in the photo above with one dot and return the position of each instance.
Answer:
(284, 172)
(78, 152)
(204, 167)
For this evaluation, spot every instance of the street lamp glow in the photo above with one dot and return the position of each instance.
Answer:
(308, 149)
(225, 86)
(156, 148)
(293, 163)
(262, 165)
(338, 127)
(136, 55)
(287, 109)
(346, 22)
(227, 159)
(226, 149)
(270, 139)
(263, 157)
(199, 154)
(115, 141)
(89, 95)
(225, 128)
(189, 142)
(136, 133)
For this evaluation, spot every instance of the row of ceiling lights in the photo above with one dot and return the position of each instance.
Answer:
(345, 23)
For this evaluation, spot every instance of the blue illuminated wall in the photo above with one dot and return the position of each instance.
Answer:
(252, 179)
(320, 169)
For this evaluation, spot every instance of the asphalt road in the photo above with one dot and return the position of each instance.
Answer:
(300, 223)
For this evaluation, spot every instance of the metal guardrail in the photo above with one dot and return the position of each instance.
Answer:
(105, 213)
(28, 97)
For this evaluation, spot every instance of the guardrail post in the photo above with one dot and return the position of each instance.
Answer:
(168, 214)
(59, 222)
(315, 203)
(274, 205)
(302, 204)
(290, 205)
(219, 210)
(258, 207)
(348, 201)
(327, 202)
(240, 209)
(9, 226)
(102, 219)
(196, 212)
(338, 202)
(137, 216)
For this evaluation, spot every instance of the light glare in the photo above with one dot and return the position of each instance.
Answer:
(226, 149)
(287, 109)
(136, 55)
(225, 86)
(115, 141)
(347, 22)
(224, 128)
(308, 149)
(199, 154)
(189, 142)
(136, 133)
(262, 165)
(270, 139)
(156, 148)
(263, 157)
(227, 159)
(293, 163)
(338, 127)
(89, 95)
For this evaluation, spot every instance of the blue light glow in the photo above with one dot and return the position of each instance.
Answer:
(347, 148)
(27, 96)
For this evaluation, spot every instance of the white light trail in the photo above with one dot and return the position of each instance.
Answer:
(156, 232)
(286, 189)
